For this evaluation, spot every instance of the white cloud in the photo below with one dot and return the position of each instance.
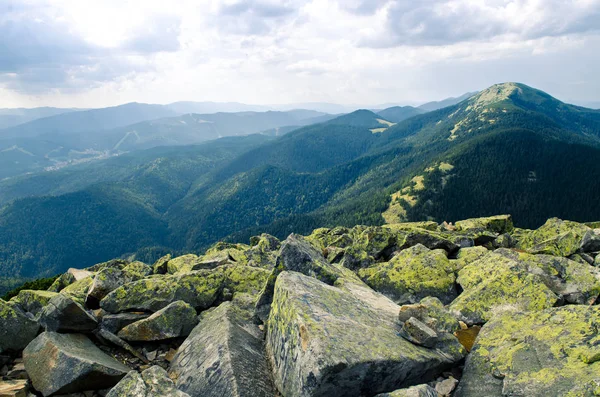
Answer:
(90, 53)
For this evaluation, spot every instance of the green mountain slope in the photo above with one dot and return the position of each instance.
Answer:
(510, 149)
(397, 114)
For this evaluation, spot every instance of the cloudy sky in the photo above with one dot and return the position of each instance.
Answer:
(99, 53)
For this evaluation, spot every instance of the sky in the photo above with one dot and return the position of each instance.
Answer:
(80, 53)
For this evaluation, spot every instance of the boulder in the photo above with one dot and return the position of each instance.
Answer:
(131, 385)
(116, 322)
(495, 281)
(413, 274)
(33, 301)
(63, 314)
(414, 391)
(174, 321)
(69, 363)
(244, 279)
(328, 341)
(355, 258)
(555, 237)
(182, 264)
(199, 289)
(16, 329)
(443, 320)
(111, 278)
(574, 282)
(153, 382)
(160, 266)
(546, 353)
(446, 387)
(79, 274)
(78, 290)
(223, 356)
(591, 241)
(418, 333)
(468, 255)
(298, 255)
(63, 281)
(449, 242)
(499, 224)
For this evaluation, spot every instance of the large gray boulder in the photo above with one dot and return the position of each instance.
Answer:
(200, 289)
(174, 321)
(33, 301)
(111, 278)
(547, 353)
(299, 255)
(116, 322)
(16, 329)
(224, 356)
(555, 237)
(338, 341)
(69, 363)
(63, 314)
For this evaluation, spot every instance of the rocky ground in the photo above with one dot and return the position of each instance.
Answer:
(478, 308)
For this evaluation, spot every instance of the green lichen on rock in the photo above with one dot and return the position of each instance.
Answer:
(445, 321)
(33, 301)
(63, 281)
(79, 289)
(237, 252)
(174, 321)
(16, 329)
(324, 340)
(199, 289)
(240, 279)
(263, 252)
(553, 352)
(182, 264)
(555, 237)
(499, 224)
(496, 281)
(468, 255)
(412, 275)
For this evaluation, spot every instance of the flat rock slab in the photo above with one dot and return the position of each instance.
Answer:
(16, 329)
(329, 341)
(224, 356)
(548, 353)
(69, 363)
(174, 321)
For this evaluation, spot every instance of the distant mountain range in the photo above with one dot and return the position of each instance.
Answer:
(508, 149)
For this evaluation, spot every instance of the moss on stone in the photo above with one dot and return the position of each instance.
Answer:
(497, 224)
(413, 274)
(555, 237)
(79, 289)
(468, 255)
(32, 300)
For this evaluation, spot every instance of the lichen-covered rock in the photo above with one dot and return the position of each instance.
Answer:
(235, 252)
(468, 255)
(33, 301)
(160, 266)
(326, 341)
(449, 242)
(69, 363)
(111, 278)
(444, 320)
(298, 255)
(174, 321)
(413, 274)
(591, 241)
(414, 391)
(263, 252)
(355, 258)
(224, 356)
(182, 264)
(63, 281)
(79, 289)
(495, 281)
(418, 333)
(153, 382)
(199, 289)
(16, 329)
(63, 314)
(80, 274)
(574, 282)
(555, 237)
(547, 353)
(245, 279)
(499, 224)
(117, 263)
(115, 322)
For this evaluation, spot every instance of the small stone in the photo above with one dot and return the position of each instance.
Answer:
(417, 311)
(151, 355)
(170, 355)
(418, 333)
(446, 387)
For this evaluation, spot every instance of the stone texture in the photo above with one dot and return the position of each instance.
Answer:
(418, 333)
(33, 301)
(14, 388)
(63, 314)
(555, 237)
(16, 329)
(223, 356)
(499, 224)
(414, 391)
(328, 341)
(174, 321)
(116, 322)
(552, 352)
(199, 289)
(69, 363)
(413, 274)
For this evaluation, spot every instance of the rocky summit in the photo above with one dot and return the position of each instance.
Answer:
(476, 308)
